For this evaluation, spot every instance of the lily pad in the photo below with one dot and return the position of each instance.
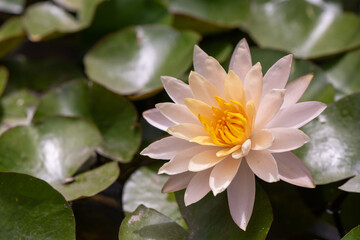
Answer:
(146, 223)
(210, 218)
(333, 152)
(144, 188)
(54, 149)
(4, 74)
(320, 88)
(132, 60)
(31, 209)
(12, 6)
(309, 29)
(11, 35)
(114, 115)
(354, 234)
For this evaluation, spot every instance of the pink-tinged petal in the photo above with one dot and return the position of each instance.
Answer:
(180, 162)
(234, 89)
(215, 73)
(293, 170)
(204, 160)
(226, 151)
(199, 58)
(245, 149)
(187, 131)
(296, 115)
(262, 139)
(166, 148)
(198, 107)
(223, 173)
(202, 89)
(241, 196)
(176, 89)
(156, 119)
(263, 164)
(197, 188)
(278, 74)
(240, 61)
(177, 182)
(253, 84)
(287, 139)
(269, 106)
(177, 113)
(295, 89)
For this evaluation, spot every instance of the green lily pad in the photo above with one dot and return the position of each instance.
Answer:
(210, 218)
(17, 108)
(333, 152)
(309, 29)
(354, 234)
(114, 115)
(131, 61)
(54, 149)
(46, 20)
(31, 209)
(146, 223)
(343, 73)
(4, 74)
(320, 88)
(144, 188)
(11, 35)
(12, 6)
(72, 5)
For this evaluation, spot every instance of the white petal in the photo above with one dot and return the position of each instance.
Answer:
(156, 119)
(245, 149)
(287, 139)
(269, 106)
(204, 160)
(180, 162)
(199, 58)
(187, 131)
(202, 89)
(166, 148)
(262, 139)
(177, 182)
(177, 113)
(278, 74)
(215, 74)
(198, 107)
(253, 84)
(197, 188)
(240, 61)
(263, 164)
(176, 89)
(233, 89)
(293, 170)
(297, 115)
(241, 196)
(223, 173)
(295, 89)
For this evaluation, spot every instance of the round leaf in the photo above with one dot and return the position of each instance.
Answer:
(354, 234)
(11, 35)
(31, 209)
(53, 149)
(114, 115)
(309, 29)
(333, 151)
(131, 61)
(144, 187)
(210, 218)
(146, 223)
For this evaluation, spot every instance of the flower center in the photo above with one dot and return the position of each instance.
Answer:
(229, 124)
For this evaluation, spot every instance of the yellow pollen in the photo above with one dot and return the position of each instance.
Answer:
(229, 125)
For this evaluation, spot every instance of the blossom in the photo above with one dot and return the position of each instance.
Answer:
(228, 127)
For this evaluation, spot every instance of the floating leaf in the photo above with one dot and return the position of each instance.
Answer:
(72, 5)
(12, 6)
(54, 149)
(31, 209)
(146, 223)
(354, 234)
(309, 29)
(144, 187)
(319, 89)
(333, 152)
(4, 74)
(11, 35)
(131, 61)
(114, 115)
(210, 218)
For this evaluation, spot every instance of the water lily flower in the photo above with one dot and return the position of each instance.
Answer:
(228, 127)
